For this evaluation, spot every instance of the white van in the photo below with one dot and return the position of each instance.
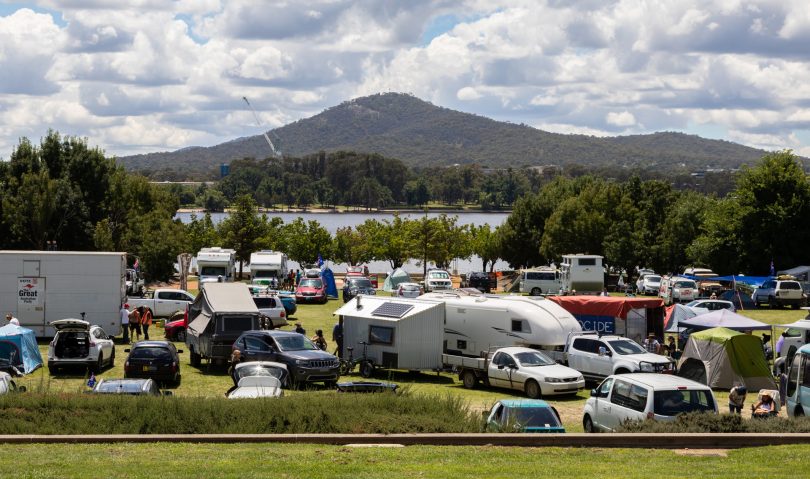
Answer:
(675, 289)
(540, 281)
(640, 396)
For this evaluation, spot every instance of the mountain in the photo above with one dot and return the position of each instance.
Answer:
(419, 133)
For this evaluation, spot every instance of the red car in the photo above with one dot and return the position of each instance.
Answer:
(311, 290)
(175, 329)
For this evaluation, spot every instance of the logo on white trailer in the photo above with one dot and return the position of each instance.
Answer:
(29, 292)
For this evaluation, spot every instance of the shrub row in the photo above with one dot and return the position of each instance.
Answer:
(727, 423)
(37, 413)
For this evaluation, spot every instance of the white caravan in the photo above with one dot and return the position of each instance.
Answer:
(583, 273)
(39, 287)
(267, 264)
(475, 324)
(216, 264)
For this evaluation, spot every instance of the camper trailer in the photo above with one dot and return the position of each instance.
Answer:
(393, 333)
(267, 264)
(39, 287)
(582, 273)
(476, 323)
(216, 264)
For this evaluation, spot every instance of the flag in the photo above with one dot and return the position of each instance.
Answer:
(92, 381)
(773, 271)
(135, 265)
(320, 260)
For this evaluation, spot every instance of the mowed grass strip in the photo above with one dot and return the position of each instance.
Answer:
(316, 461)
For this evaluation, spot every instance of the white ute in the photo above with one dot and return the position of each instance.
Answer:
(523, 369)
(597, 357)
(163, 302)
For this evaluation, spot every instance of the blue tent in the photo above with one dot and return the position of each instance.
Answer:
(19, 346)
(329, 280)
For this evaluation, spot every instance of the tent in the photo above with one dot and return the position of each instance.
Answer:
(722, 358)
(740, 300)
(675, 314)
(329, 280)
(18, 345)
(723, 318)
(394, 279)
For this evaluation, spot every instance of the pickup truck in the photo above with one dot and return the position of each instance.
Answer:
(162, 302)
(597, 357)
(519, 368)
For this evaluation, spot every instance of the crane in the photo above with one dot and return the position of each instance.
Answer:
(276, 151)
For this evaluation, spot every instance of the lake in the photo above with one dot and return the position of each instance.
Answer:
(333, 221)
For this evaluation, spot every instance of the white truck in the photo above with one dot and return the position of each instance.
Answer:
(162, 302)
(38, 287)
(582, 273)
(266, 265)
(597, 357)
(518, 368)
(216, 264)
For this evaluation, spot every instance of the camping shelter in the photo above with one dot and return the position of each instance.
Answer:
(18, 345)
(722, 358)
(400, 333)
(623, 315)
(740, 300)
(395, 278)
(675, 314)
(329, 280)
(723, 318)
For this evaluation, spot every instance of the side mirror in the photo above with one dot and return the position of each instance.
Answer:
(500, 366)
(594, 393)
(126, 350)
(179, 351)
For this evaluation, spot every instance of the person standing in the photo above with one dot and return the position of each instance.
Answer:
(736, 399)
(297, 277)
(337, 336)
(125, 312)
(135, 324)
(651, 344)
(146, 321)
(319, 340)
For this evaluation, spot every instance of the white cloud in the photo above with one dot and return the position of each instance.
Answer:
(624, 118)
(468, 93)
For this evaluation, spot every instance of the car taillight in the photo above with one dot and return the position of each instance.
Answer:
(126, 366)
(174, 366)
(282, 314)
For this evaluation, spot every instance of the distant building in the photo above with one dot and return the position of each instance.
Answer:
(224, 170)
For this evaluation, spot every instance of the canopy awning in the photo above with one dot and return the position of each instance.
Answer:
(613, 306)
(724, 318)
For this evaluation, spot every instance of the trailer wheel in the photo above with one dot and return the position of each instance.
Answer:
(535, 292)
(194, 358)
(469, 379)
(367, 369)
(532, 389)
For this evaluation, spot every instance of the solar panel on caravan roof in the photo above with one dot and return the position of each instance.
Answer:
(392, 310)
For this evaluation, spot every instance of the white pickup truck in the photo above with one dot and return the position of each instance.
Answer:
(597, 357)
(518, 368)
(162, 302)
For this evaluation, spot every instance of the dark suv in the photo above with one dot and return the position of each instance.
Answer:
(305, 362)
(480, 281)
(158, 360)
(354, 285)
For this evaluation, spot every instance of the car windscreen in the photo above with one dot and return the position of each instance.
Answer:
(671, 403)
(119, 387)
(259, 370)
(534, 358)
(686, 284)
(532, 417)
(653, 279)
(626, 347)
(213, 271)
(294, 343)
(150, 353)
(438, 275)
(237, 323)
(359, 283)
(266, 273)
(311, 283)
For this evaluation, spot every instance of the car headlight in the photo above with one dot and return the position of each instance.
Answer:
(554, 380)
(646, 367)
(580, 378)
(301, 362)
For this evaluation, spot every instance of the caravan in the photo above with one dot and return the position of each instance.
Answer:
(476, 323)
(216, 264)
(268, 267)
(582, 273)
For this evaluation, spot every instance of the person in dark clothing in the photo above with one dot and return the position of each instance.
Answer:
(337, 337)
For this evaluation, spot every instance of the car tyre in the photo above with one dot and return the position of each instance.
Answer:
(771, 302)
(799, 412)
(469, 379)
(587, 424)
(533, 389)
(367, 369)
(181, 336)
(112, 359)
(330, 384)
(99, 364)
(535, 292)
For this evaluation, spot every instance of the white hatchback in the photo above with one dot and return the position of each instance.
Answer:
(632, 397)
(408, 290)
(79, 343)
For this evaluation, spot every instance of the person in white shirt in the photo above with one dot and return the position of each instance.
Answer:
(125, 312)
(12, 320)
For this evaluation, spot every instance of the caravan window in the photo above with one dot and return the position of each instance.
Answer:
(237, 323)
(213, 271)
(806, 372)
(587, 261)
(264, 273)
(380, 335)
(793, 377)
(461, 344)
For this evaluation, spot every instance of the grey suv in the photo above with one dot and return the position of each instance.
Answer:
(305, 362)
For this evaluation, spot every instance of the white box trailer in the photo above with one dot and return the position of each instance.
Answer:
(267, 264)
(216, 264)
(583, 273)
(477, 323)
(400, 333)
(38, 287)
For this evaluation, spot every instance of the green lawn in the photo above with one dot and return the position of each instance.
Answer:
(316, 461)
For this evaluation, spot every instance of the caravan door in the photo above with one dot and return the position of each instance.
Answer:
(31, 304)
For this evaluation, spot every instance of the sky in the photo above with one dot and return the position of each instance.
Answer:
(154, 75)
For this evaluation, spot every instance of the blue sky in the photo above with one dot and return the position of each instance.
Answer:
(143, 76)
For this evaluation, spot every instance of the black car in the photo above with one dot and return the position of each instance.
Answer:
(354, 285)
(480, 281)
(158, 360)
(305, 362)
(132, 387)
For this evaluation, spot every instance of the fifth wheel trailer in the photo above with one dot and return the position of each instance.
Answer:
(39, 287)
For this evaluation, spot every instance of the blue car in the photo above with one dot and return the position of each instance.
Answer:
(523, 415)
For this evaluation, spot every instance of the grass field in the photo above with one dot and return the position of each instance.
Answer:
(213, 381)
(316, 461)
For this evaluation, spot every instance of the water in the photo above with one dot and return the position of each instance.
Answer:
(333, 221)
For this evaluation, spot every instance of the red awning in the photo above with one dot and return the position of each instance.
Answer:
(613, 306)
